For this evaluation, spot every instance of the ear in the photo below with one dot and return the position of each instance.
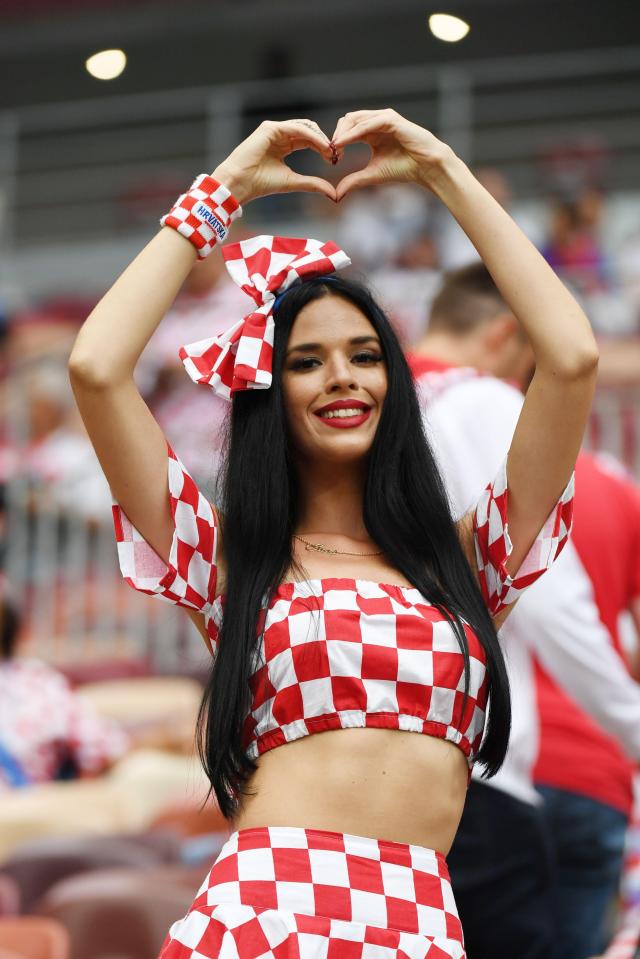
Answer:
(499, 331)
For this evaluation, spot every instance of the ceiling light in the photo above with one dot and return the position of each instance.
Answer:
(106, 65)
(444, 26)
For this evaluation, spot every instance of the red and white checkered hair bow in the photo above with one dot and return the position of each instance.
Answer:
(263, 266)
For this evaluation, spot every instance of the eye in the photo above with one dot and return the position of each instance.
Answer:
(304, 363)
(367, 356)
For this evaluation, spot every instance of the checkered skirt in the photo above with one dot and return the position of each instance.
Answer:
(292, 893)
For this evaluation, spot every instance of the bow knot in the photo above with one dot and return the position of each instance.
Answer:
(241, 357)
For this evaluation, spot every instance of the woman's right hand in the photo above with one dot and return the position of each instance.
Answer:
(256, 167)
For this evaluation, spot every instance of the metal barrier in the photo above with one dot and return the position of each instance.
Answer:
(76, 607)
(614, 426)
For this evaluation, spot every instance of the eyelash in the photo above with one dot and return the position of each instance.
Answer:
(301, 364)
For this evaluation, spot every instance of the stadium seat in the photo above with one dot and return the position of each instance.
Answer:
(125, 800)
(34, 937)
(145, 699)
(37, 866)
(65, 808)
(102, 670)
(121, 912)
(190, 819)
(9, 897)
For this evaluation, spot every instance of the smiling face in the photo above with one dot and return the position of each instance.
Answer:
(334, 381)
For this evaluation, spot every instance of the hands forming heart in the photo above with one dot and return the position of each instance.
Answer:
(401, 152)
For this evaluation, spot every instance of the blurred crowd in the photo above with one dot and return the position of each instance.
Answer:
(122, 737)
(401, 240)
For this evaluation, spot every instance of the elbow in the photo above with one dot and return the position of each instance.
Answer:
(87, 373)
(581, 364)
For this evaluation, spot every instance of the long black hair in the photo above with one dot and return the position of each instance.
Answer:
(406, 513)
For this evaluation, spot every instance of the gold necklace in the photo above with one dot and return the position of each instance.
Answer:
(332, 552)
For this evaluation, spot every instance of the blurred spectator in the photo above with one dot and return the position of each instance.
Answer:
(454, 247)
(573, 247)
(376, 223)
(46, 730)
(53, 451)
(576, 250)
(408, 286)
(629, 273)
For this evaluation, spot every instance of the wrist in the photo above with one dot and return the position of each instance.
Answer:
(233, 181)
(445, 175)
(204, 213)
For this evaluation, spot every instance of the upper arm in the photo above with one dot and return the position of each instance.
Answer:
(132, 451)
(542, 455)
(166, 530)
(485, 534)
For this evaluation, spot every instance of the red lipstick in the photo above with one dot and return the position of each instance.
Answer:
(344, 414)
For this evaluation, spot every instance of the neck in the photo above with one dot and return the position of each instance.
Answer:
(455, 350)
(331, 500)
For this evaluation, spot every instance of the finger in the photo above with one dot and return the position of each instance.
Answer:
(356, 181)
(305, 133)
(310, 184)
(350, 119)
(360, 131)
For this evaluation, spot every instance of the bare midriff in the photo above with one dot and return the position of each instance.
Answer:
(385, 783)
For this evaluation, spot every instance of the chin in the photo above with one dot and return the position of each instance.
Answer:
(347, 451)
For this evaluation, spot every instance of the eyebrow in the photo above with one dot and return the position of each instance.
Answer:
(354, 341)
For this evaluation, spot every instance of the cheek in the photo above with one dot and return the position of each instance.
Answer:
(294, 395)
(296, 404)
(379, 386)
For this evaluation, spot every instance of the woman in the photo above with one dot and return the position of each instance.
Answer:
(353, 605)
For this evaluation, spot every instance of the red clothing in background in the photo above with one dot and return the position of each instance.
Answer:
(575, 755)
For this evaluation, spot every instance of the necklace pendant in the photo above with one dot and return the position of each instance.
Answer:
(320, 549)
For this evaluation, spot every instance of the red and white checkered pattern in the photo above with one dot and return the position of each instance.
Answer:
(291, 893)
(263, 266)
(203, 214)
(338, 653)
(345, 653)
(190, 577)
(493, 545)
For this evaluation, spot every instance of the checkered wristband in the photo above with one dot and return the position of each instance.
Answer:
(204, 214)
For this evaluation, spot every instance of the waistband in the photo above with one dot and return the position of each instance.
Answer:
(339, 876)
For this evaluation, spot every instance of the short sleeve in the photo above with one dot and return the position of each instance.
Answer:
(190, 578)
(493, 545)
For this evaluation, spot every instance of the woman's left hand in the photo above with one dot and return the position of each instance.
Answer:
(402, 151)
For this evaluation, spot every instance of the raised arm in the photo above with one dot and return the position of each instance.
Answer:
(551, 426)
(151, 487)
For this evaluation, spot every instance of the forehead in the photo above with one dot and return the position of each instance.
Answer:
(329, 319)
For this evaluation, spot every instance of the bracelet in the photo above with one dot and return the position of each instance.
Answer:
(203, 214)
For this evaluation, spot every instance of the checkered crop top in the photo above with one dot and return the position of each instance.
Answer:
(336, 652)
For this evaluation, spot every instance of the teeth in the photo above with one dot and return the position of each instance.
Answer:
(331, 414)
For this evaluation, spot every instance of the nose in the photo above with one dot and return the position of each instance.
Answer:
(341, 375)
